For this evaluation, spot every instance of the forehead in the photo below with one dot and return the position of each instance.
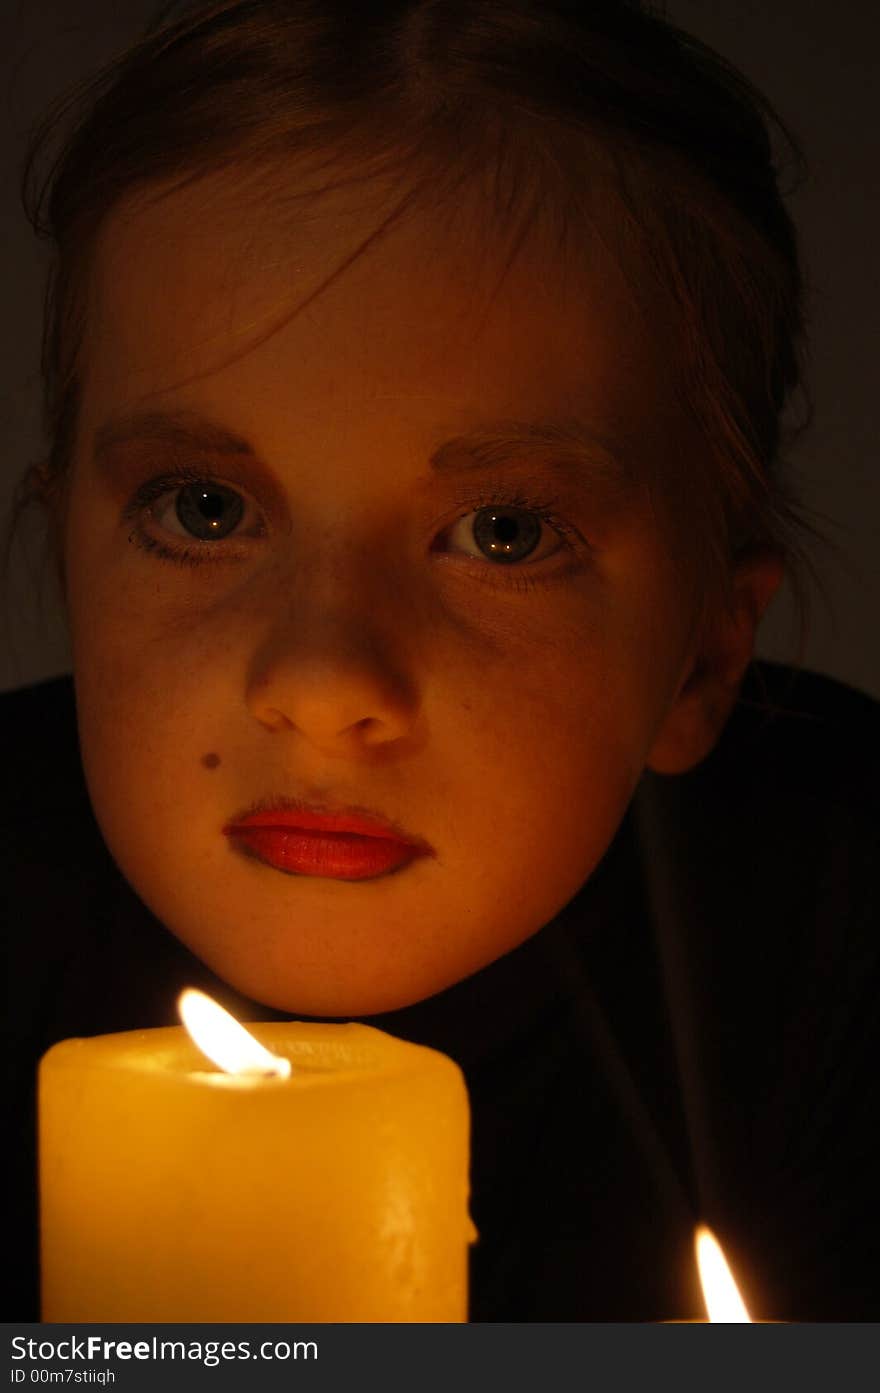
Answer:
(347, 297)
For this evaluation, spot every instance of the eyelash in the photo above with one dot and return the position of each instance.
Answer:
(207, 552)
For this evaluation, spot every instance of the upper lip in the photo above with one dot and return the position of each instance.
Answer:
(281, 811)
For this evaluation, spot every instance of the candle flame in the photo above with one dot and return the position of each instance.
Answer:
(224, 1040)
(720, 1292)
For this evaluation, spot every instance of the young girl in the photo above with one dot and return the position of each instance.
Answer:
(414, 377)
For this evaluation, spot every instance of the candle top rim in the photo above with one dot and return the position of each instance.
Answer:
(326, 1054)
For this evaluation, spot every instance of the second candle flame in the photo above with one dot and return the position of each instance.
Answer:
(225, 1041)
(720, 1292)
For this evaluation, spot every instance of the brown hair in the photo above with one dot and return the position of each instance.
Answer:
(522, 89)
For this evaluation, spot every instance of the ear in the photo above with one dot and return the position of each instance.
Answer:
(714, 675)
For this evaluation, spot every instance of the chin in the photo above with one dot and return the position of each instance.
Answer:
(327, 997)
(344, 1001)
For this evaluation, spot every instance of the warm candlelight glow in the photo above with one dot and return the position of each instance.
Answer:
(723, 1301)
(224, 1040)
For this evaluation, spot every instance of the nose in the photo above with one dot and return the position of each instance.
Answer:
(338, 682)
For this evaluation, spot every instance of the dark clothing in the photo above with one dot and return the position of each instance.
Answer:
(695, 1037)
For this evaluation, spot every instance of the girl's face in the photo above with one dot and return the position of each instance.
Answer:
(342, 623)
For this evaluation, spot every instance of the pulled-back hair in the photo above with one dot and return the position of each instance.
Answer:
(526, 91)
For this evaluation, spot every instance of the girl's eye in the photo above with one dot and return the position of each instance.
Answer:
(188, 507)
(507, 534)
(203, 510)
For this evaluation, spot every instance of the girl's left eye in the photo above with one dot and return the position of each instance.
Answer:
(508, 533)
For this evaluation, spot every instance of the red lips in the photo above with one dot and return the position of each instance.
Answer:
(344, 845)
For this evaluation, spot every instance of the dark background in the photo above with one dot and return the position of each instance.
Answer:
(818, 64)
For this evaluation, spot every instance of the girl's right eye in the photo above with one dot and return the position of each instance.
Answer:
(192, 508)
(205, 510)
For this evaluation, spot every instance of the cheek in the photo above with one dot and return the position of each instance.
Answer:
(544, 753)
(142, 698)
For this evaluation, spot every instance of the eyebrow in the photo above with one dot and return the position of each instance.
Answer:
(178, 429)
(568, 446)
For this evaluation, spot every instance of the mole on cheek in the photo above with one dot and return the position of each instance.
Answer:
(210, 761)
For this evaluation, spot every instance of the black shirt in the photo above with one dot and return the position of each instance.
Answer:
(696, 1037)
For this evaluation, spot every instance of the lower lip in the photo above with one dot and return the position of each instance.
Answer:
(334, 855)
